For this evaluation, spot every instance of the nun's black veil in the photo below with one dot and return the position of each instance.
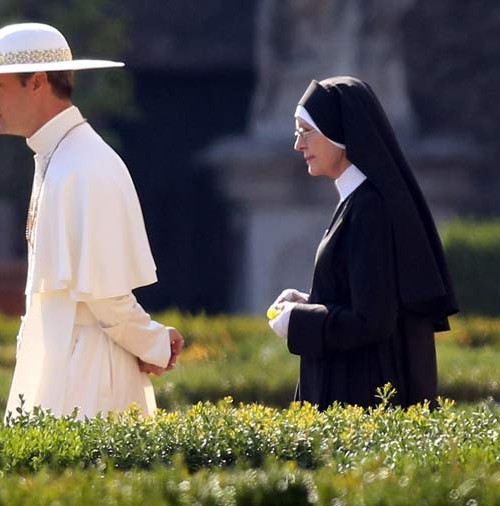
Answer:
(346, 110)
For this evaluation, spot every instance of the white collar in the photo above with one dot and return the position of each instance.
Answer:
(348, 181)
(48, 135)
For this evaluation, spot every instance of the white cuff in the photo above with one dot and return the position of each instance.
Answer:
(281, 322)
(124, 320)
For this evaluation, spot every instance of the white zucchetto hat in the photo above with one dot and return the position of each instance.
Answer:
(36, 47)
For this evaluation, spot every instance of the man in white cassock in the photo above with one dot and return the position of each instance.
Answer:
(84, 341)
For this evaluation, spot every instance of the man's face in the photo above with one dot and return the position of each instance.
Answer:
(15, 106)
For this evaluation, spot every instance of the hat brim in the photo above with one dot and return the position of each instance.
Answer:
(19, 68)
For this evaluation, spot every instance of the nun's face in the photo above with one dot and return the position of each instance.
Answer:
(323, 158)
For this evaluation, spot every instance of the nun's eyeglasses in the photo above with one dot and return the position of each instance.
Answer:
(304, 134)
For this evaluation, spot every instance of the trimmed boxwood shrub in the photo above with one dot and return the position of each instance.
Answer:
(372, 484)
(223, 435)
(473, 252)
(252, 455)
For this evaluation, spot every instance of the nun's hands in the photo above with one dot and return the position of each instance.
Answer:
(291, 295)
(279, 311)
(280, 322)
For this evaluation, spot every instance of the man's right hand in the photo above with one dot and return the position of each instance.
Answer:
(150, 368)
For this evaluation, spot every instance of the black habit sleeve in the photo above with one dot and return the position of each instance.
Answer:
(369, 312)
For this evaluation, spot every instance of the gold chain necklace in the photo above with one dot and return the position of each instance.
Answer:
(35, 197)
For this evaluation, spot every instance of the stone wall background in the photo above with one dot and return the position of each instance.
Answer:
(451, 52)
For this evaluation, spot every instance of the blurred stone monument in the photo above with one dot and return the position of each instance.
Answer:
(280, 211)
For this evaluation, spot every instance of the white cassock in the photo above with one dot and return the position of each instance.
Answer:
(83, 329)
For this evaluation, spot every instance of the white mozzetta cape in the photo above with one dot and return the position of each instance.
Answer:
(89, 242)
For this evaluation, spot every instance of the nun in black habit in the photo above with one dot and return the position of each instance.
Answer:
(380, 287)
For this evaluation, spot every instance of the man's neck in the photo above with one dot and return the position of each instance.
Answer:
(48, 112)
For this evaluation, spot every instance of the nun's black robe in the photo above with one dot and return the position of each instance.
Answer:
(353, 335)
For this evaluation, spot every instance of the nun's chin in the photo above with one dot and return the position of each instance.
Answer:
(313, 171)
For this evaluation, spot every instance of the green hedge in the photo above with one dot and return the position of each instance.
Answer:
(252, 455)
(222, 435)
(371, 484)
(230, 454)
(241, 357)
(473, 253)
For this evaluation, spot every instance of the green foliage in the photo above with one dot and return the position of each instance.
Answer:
(239, 356)
(474, 331)
(473, 253)
(8, 329)
(274, 485)
(223, 435)
(252, 454)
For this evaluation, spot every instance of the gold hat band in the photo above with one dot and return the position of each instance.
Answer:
(36, 56)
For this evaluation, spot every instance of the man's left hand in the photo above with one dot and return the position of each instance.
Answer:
(176, 345)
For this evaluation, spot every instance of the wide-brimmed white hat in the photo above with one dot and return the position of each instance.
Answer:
(36, 47)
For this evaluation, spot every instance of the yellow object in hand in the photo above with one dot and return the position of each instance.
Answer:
(273, 312)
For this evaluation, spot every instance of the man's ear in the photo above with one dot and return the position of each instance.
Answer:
(39, 81)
